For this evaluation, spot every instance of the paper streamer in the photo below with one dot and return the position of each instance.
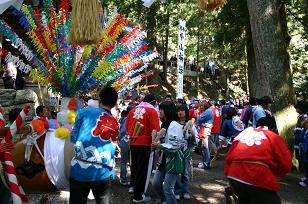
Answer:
(70, 69)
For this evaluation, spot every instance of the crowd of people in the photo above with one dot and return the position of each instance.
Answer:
(239, 126)
(159, 137)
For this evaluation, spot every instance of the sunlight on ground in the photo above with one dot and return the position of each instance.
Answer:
(210, 192)
(66, 195)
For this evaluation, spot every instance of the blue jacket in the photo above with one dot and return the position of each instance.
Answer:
(303, 145)
(93, 134)
(227, 129)
(206, 118)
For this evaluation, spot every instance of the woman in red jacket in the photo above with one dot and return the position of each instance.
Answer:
(256, 160)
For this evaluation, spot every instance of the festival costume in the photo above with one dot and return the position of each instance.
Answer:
(258, 113)
(140, 145)
(217, 119)
(124, 146)
(261, 112)
(94, 134)
(206, 122)
(181, 186)
(246, 115)
(193, 113)
(297, 137)
(169, 169)
(256, 158)
(147, 115)
(303, 150)
(230, 129)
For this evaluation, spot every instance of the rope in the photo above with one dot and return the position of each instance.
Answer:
(32, 140)
(18, 195)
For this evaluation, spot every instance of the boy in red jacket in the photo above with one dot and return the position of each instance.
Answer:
(255, 160)
(140, 145)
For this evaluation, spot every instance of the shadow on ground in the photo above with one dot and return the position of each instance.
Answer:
(207, 186)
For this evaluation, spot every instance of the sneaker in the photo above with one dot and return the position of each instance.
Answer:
(123, 183)
(303, 179)
(186, 196)
(144, 199)
(177, 196)
(201, 166)
(131, 190)
(302, 184)
(206, 166)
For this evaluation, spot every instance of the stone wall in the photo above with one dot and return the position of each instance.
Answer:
(10, 99)
(42, 92)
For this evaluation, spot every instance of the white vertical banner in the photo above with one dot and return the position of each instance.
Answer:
(181, 51)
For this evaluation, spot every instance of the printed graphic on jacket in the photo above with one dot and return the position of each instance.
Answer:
(106, 127)
(251, 137)
(139, 112)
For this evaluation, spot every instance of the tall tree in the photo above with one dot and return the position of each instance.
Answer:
(268, 26)
(305, 19)
(270, 41)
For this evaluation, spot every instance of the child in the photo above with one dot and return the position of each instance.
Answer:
(303, 149)
(42, 113)
(124, 146)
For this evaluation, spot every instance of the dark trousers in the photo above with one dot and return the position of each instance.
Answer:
(79, 191)
(9, 82)
(5, 194)
(248, 194)
(139, 167)
(305, 169)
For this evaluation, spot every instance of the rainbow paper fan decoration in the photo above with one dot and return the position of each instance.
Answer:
(119, 58)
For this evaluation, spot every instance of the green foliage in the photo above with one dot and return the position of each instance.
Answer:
(298, 45)
(219, 34)
(2, 68)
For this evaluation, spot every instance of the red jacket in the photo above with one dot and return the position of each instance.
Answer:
(193, 113)
(147, 115)
(258, 157)
(216, 120)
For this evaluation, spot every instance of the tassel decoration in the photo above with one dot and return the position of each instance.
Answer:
(85, 26)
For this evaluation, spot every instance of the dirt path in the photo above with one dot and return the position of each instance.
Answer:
(207, 187)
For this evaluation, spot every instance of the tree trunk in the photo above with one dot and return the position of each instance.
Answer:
(274, 77)
(251, 61)
(305, 18)
(165, 53)
(151, 26)
(273, 73)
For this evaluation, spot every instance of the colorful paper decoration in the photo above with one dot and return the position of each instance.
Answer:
(72, 69)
